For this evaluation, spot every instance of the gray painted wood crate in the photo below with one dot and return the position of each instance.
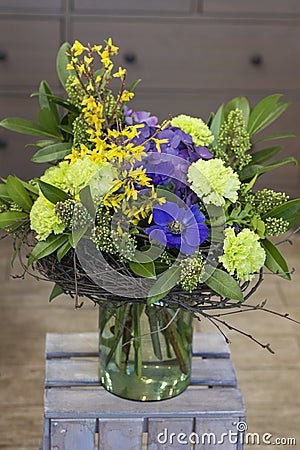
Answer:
(80, 415)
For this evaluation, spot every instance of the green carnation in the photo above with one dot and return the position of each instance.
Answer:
(196, 128)
(243, 254)
(213, 182)
(72, 178)
(43, 219)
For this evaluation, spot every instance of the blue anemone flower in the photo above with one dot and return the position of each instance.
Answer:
(182, 228)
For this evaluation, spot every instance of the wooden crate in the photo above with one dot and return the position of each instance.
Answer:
(81, 415)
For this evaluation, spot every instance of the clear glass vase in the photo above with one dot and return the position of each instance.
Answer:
(145, 352)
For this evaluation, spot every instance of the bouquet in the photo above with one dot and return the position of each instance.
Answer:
(133, 211)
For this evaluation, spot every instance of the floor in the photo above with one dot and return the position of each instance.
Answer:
(269, 383)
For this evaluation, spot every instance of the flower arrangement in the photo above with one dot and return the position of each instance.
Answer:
(131, 210)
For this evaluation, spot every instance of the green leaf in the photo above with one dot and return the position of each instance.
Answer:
(134, 85)
(240, 103)
(43, 143)
(52, 152)
(45, 99)
(275, 137)
(30, 187)
(154, 323)
(163, 285)
(223, 284)
(3, 193)
(24, 126)
(250, 171)
(78, 234)
(65, 104)
(61, 63)
(66, 128)
(56, 291)
(18, 193)
(216, 123)
(265, 154)
(275, 262)
(63, 250)
(146, 270)
(287, 210)
(11, 217)
(61, 102)
(52, 193)
(48, 122)
(265, 112)
(45, 248)
(257, 169)
(294, 220)
(87, 200)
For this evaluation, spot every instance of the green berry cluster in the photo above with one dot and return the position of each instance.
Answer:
(233, 141)
(81, 217)
(80, 133)
(3, 207)
(275, 226)
(190, 272)
(102, 231)
(267, 199)
(125, 244)
(64, 211)
(165, 258)
(110, 105)
(75, 91)
(102, 238)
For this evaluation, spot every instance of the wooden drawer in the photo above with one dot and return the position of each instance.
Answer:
(268, 7)
(25, 5)
(14, 157)
(202, 55)
(134, 6)
(28, 50)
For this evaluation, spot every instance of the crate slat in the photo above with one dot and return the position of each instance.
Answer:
(217, 433)
(97, 402)
(60, 345)
(73, 434)
(84, 372)
(120, 433)
(159, 431)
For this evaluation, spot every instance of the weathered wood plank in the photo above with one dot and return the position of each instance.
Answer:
(219, 434)
(46, 435)
(73, 434)
(84, 372)
(59, 345)
(125, 434)
(169, 434)
(96, 402)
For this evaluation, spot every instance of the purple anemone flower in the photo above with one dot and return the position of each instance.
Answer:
(178, 227)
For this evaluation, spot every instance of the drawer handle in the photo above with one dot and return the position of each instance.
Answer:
(130, 57)
(3, 143)
(256, 60)
(3, 56)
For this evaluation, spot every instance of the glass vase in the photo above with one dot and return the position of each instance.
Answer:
(145, 352)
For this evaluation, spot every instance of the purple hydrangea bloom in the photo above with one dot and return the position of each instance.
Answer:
(178, 227)
(172, 174)
(134, 117)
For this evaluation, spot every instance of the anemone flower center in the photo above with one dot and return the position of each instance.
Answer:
(175, 227)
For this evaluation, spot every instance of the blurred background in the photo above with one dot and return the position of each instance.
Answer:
(192, 55)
